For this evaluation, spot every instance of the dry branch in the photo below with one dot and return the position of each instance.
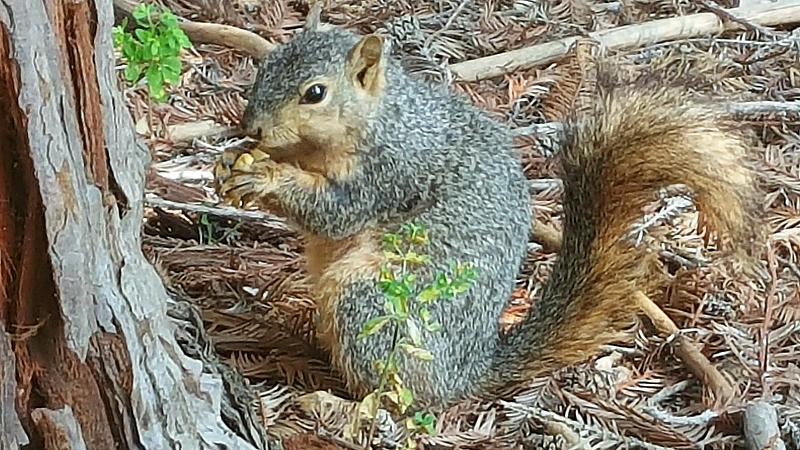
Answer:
(222, 212)
(695, 361)
(187, 132)
(745, 109)
(226, 35)
(625, 37)
(549, 237)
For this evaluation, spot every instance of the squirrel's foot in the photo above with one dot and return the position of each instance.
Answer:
(243, 177)
(321, 403)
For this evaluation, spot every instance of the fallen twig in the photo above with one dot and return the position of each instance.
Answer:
(226, 35)
(225, 212)
(549, 237)
(785, 11)
(726, 15)
(743, 109)
(685, 350)
(189, 131)
(545, 184)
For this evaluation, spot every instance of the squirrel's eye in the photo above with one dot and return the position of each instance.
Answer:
(314, 94)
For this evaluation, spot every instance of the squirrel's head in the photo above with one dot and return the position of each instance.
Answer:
(316, 91)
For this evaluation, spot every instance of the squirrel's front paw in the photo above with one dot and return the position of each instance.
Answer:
(242, 177)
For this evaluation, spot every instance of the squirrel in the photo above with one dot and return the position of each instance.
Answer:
(351, 146)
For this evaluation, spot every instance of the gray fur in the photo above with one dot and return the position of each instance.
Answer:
(429, 156)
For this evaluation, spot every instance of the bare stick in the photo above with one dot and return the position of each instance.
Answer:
(228, 36)
(545, 184)
(189, 131)
(763, 108)
(630, 36)
(219, 211)
(549, 237)
(686, 351)
(729, 16)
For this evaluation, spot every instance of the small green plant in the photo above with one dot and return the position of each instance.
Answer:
(206, 229)
(153, 49)
(421, 423)
(407, 310)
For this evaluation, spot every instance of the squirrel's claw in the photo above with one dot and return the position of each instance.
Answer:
(240, 178)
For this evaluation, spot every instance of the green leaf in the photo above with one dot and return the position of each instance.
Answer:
(146, 54)
(397, 290)
(392, 256)
(422, 422)
(429, 294)
(399, 305)
(414, 333)
(118, 34)
(412, 230)
(141, 11)
(373, 325)
(154, 77)
(406, 396)
(132, 73)
(442, 281)
(424, 315)
(169, 48)
(433, 327)
(144, 35)
(129, 50)
(414, 258)
(183, 40)
(391, 239)
(155, 47)
(158, 94)
(168, 19)
(172, 69)
(155, 81)
(387, 274)
(416, 352)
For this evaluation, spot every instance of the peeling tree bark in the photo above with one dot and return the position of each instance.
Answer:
(88, 356)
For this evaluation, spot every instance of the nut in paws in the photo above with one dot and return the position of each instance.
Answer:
(242, 177)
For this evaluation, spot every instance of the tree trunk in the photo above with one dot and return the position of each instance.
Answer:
(88, 355)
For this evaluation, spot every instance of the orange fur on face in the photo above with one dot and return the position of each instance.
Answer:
(313, 137)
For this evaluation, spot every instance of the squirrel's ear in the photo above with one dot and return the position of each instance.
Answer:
(366, 64)
(312, 20)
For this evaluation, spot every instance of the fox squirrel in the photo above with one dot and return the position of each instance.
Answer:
(351, 147)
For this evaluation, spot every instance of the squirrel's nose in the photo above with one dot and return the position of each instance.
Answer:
(250, 128)
(249, 125)
(253, 132)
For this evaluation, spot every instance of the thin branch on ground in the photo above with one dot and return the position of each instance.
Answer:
(626, 37)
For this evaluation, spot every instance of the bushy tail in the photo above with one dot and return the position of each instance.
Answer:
(636, 139)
